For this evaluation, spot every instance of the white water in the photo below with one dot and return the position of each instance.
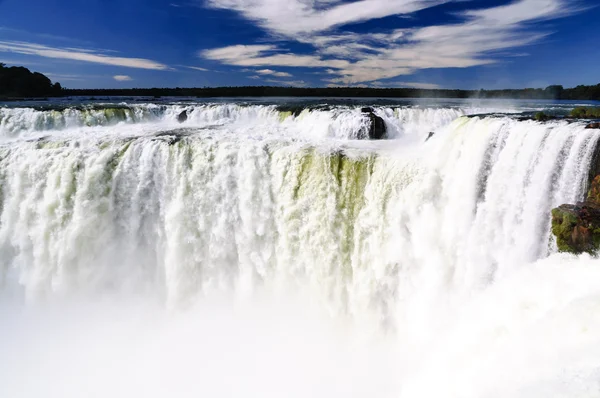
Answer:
(237, 265)
(341, 122)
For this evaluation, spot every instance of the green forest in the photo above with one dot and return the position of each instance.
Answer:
(19, 83)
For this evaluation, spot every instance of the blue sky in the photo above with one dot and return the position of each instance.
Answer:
(378, 43)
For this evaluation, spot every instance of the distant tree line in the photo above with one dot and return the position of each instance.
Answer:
(19, 82)
(549, 93)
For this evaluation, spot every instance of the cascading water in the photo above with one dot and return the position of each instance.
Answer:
(320, 122)
(439, 248)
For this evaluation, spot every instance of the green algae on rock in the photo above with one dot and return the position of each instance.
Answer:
(577, 227)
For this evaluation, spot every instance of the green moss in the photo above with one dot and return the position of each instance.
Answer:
(541, 117)
(563, 224)
(284, 115)
(50, 144)
(596, 238)
(124, 149)
(118, 114)
(586, 113)
(352, 176)
(305, 165)
(594, 191)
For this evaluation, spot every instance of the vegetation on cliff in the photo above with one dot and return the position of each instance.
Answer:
(577, 227)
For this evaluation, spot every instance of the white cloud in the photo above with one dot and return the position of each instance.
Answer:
(525, 11)
(83, 55)
(273, 73)
(236, 52)
(293, 17)
(196, 68)
(287, 83)
(427, 86)
(19, 62)
(480, 39)
(122, 78)
(64, 77)
(264, 55)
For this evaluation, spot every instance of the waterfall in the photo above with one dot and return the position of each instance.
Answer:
(400, 239)
(317, 122)
(226, 212)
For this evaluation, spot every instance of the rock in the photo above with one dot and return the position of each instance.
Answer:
(377, 129)
(172, 137)
(595, 125)
(594, 165)
(431, 134)
(182, 117)
(594, 191)
(577, 227)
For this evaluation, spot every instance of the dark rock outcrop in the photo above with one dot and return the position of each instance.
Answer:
(595, 125)
(577, 227)
(431, 134)
(182, 117)
(172, 137)
(378, 128)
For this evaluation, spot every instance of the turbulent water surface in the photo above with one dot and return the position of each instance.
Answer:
(270, 249)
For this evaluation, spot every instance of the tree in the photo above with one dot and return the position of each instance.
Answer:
(21, 82)
(554, 92)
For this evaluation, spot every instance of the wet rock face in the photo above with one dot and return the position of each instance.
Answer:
(594, 125)
(577, 227)
(378, 129)
(594, 191)
(182, 117)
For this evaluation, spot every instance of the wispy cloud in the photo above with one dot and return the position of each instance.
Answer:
(122, 78)
(43, 36)
(287, 83)
(265, 55)
(196, 68)
(483, 37)
(82, 55)
(273, 73)
(64, 77)
(427, 86)
(293, 17)
(20, 62)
